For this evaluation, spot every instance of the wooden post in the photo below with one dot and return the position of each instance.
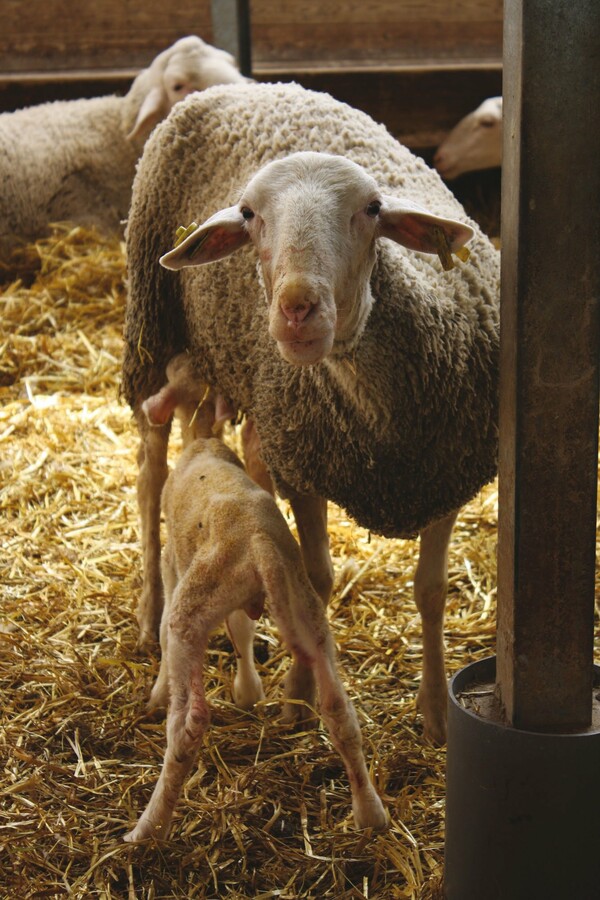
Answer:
(231, 31)
(550, 348)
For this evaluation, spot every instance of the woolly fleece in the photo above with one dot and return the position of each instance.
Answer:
(403, 429)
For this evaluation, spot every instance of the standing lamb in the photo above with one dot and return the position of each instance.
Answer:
(229, 551)
(474, 143)
(75, 160)
(370, 372)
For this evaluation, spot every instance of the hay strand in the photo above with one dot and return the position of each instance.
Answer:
(266, 812)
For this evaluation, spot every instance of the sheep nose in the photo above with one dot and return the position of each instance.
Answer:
(296, 300)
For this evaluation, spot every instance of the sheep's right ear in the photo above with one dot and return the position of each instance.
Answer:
(154, 108)
(218, 237)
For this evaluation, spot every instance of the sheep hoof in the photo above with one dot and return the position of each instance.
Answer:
(434, 717)
(369, 812)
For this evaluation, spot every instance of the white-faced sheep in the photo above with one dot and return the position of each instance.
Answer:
(229, 552)
(75, 160)
(370, 373)
(474, 143)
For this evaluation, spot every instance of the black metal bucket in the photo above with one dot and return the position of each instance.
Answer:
(522, 808)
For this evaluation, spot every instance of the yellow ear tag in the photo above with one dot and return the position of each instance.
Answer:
(182, 233)
(440, 239)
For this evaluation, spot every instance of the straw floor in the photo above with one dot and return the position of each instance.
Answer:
(266, 812)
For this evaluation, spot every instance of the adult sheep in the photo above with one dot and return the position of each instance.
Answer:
(370, 372)
(474, 143)
(75, 159)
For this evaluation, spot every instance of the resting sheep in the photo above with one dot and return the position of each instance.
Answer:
(369, 372)
(474, 143)
(229, 552)
(75, 160)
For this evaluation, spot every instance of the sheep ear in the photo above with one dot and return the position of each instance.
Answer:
(218, 237)
(418, 229)
(152, 110)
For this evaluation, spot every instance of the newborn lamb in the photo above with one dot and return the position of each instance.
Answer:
(229, 550)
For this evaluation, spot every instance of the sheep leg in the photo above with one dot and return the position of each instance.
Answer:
(187, 721)
(253, 460)
(159, 696)
(304, 627)
(431, 586)
(247, 688)
(152, 474)
(311, 521)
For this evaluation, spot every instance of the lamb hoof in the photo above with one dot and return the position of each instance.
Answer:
(247, 692)
(143, 831)
(147, 639)
(370, 813)
(158, 699)
(299, 714)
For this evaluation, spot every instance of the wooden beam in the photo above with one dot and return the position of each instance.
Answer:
(550, 340)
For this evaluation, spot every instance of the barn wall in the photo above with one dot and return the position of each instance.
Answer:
(416, 65)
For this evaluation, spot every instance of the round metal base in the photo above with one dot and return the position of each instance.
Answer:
(522, 808)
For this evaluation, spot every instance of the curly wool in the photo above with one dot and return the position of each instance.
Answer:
(399, 432)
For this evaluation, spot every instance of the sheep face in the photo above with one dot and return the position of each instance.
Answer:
(188, 65)
(314, 220)
(474, 143)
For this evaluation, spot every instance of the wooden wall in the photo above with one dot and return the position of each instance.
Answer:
(417, 65)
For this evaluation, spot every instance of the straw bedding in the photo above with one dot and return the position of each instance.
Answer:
(267, 811)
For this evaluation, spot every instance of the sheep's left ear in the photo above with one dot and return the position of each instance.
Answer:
(418, 229)
(219, 236)
(154, 108)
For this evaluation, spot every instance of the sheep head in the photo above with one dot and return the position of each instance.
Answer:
(314, 220)
(474, 143)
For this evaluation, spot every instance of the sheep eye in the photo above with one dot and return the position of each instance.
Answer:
(487, 122)
(247, 212)
(373, 209)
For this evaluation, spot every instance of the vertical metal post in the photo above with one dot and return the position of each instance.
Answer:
(232, 32)
(550, 349)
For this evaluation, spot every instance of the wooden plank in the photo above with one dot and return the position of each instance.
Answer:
(61, 34)
(549, 363)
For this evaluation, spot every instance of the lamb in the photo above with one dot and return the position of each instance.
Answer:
(474, 143)
(75, 160)
(368, 371)
(229, 550)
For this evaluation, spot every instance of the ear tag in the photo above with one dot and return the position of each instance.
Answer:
(440, 239)
(442, 244)
(183, 232)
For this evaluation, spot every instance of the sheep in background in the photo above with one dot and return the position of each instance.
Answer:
(229, 551)
(370, 373)
(75, 160)
(474, 143)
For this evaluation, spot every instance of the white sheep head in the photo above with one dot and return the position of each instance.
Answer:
(188, 65)
(314, 220)
(474, 143)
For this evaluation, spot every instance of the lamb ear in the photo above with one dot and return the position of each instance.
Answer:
(218, 237)
(418, 229)
(152, 110)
